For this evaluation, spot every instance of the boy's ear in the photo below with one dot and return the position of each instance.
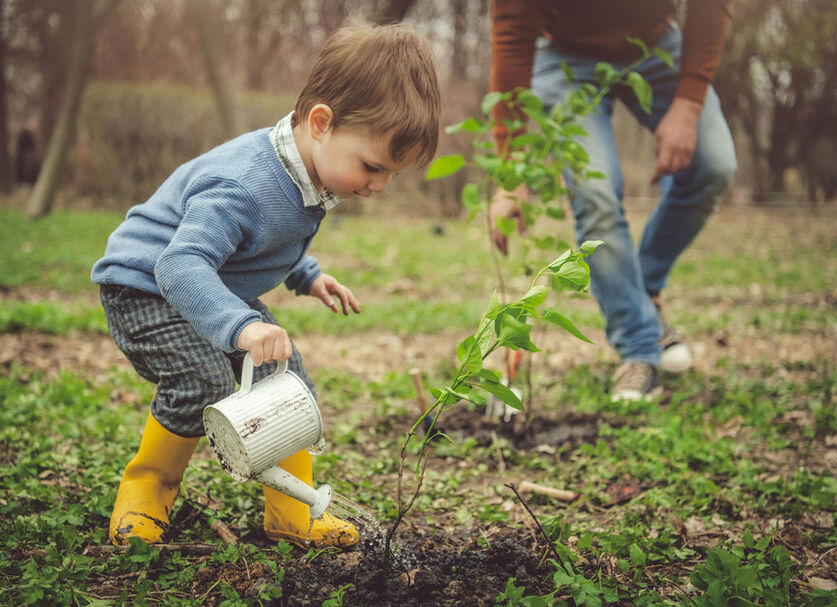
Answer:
(319, 120)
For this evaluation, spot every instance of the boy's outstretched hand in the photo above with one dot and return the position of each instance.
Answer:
(324, 286)
(265, 342)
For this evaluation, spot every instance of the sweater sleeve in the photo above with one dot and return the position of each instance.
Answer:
(514, 30)
(303, 275)
(703, 42)
(217, 220)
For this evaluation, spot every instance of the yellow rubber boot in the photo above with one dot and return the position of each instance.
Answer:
(286, 518)
(149, 485)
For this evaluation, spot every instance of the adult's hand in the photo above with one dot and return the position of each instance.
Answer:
(507, 204)
(676, 137)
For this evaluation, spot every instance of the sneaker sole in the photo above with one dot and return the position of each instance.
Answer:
(635, 395)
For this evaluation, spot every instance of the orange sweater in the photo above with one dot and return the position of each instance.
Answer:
(600, 29)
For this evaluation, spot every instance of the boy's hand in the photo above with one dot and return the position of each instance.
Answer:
(265, 342)
(324, 286)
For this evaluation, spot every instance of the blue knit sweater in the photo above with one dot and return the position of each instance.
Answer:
(224, 229)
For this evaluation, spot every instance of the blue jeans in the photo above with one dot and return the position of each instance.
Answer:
(621, 275)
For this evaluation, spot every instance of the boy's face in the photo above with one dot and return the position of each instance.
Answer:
(351, 161)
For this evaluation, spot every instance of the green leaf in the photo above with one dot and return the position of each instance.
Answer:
(471, 198)
(563, 322)
(514, 333)
(469, 354)
(529, 100)
(506, 225)
(526, 139)
(469, 125)
(489, 163)
(574, 275)
(555, 212)
(484, 336)
(638, 557)
(559, 261)
(489, 101)
(535, 297)
(588, 246)
(665, 56)
(572, 129)
(604, 73)
(568, 71)
(642, 90)
(504, 393)
(444, 166)
(547, 243)
(640, 43)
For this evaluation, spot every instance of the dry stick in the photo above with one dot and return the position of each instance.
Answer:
(537, 522)
(559, 494)
(219, 526)
(501, 463)
(422, 399)
(193, 549)
(224, 532)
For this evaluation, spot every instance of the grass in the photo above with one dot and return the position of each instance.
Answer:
(734, 466)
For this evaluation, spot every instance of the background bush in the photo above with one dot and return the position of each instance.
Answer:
(132, 136)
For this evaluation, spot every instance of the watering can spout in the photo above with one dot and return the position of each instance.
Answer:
(284, 482)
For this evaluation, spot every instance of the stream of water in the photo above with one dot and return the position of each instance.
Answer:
(372, 533)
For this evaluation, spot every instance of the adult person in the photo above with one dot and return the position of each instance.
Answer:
(695, 159)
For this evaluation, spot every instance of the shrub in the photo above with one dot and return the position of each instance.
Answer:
(132, 136)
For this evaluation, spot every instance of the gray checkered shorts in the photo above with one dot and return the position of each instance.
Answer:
(190, 373)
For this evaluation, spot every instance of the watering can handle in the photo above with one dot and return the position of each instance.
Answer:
(247, 373)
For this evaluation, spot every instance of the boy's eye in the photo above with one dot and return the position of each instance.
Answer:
(370, 169)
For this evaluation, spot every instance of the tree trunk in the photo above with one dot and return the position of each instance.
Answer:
(459, 56)
(394, 12)
(201, 12)
(5, 142)
(87, 19)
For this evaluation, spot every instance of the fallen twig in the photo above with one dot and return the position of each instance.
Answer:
(537, 522)
(194, 549)
(559, 494)
(224, 532)
(501, 463)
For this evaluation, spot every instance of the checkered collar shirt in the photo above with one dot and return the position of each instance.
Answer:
(282, 138)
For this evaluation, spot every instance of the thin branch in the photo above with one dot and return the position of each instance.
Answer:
(549, 542)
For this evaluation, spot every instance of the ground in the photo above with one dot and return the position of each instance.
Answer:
(469, 533)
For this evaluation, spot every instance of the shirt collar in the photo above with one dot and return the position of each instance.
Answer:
(282, 138)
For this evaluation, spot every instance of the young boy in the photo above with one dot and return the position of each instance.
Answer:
(181, 276)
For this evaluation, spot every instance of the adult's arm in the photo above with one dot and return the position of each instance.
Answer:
(703, 43)
(515, 25)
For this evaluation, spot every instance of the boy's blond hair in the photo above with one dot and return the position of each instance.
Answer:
(382, 78)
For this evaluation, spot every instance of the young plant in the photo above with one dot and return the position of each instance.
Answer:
(536, 160)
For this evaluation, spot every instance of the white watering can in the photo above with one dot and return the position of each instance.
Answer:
(262, 424)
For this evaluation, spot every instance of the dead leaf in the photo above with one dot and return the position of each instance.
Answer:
(822, 583)
(694, 526)
(409, 577)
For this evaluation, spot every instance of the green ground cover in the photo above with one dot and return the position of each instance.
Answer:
(734, 467)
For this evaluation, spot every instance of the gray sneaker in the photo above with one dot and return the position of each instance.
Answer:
(635, 381)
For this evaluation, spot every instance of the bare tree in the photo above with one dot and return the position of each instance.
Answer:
(394, 11)
(204, 14)
(88, 16)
